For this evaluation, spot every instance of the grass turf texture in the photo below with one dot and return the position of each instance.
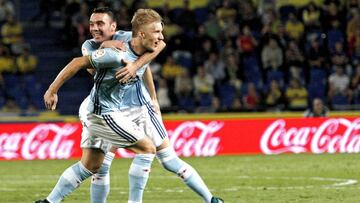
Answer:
(237, 179)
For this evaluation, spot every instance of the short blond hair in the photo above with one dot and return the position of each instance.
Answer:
(143, 17)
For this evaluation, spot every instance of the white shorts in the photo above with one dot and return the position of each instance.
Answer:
(144, 117)
(154, 124)
(116, 127)
(87, 140)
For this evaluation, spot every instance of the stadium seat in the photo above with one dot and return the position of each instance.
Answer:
(334, 36)
(339, 99)
(205, 100)
(275, 75)
(285, 11)
(201, 14)
(318, 75)
(252, 71)
(186, 103)
(227, 93)
(316, 90)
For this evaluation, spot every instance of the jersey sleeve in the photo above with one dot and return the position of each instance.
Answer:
(106, 58)
(87, 48)
(122, 35)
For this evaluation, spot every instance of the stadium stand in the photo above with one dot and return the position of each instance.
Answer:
(53, 37)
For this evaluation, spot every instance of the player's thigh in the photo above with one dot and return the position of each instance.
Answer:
(143, 146)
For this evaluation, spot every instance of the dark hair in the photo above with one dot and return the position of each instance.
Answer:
(106, 10)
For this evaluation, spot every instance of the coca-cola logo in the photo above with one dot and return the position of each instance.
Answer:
(331, 136)
(41, 142)
(192, 138)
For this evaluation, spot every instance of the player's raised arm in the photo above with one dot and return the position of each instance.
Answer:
(50, 96)
(129, 71)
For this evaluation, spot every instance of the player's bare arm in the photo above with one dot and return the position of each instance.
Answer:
(50, 96)
(129, 71)
(149, 83)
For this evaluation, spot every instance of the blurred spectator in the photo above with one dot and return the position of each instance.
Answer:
(265, 5)
(272, 56)
(216, 67)
(316, 55)
(6, 9)
(186, 18)
(183, 85)
(27, 65)
(353, 34)
(184, 91)
(246, 42)
(202, 37)
(171, 69)
(80, 21)
(170, 29)
(12, 33)
(225, 14)
(282, 36)
(249, 15)
(234, 74)
(163, 94)
(6, 60)
(45, 12)
(331, 13)
(318, 109)
(274, 97)
(236, 105)
(311, 16)
(339, 84)
(212, 26)
(338, 56)
(251, 99)
(352, 5)
(355, 85)
(10, 83)
(70, 34)
(294, 27)
(294, 59)
(26, 62)
(296, 95)
(123, 18)
(203, 83)
(269, 17)
(335, 35)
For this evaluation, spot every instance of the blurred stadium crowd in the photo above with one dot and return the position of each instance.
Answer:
(225, 55)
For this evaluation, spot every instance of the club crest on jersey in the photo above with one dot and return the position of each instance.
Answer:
(99, 53)
(84, 51)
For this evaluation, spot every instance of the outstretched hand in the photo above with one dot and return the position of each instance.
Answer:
(127, 72)
(50, 100)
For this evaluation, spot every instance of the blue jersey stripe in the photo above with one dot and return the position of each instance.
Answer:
(98, 80)
(118, 130)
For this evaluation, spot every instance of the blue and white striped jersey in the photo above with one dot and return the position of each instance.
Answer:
(108, 94)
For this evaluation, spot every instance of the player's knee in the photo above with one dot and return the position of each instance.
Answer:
(92, 167)
(146, 147)
(149, 149)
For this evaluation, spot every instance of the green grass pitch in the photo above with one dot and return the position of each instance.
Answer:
(237, 179)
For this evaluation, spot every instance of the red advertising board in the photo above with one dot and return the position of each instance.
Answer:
(195, 138)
